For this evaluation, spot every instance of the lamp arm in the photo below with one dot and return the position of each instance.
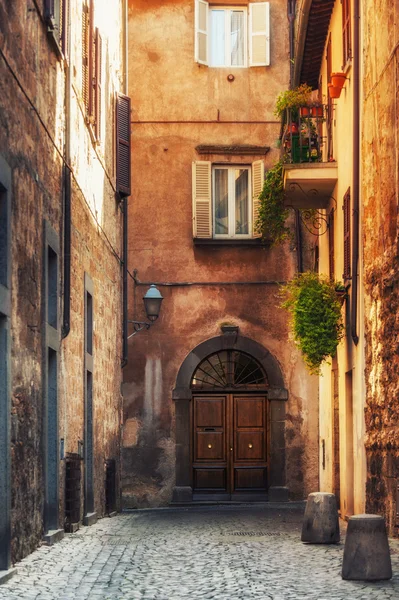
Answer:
(138, 326)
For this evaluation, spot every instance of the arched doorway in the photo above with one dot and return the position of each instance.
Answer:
(230, 420)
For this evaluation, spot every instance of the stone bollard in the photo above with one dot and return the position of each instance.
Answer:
(366, 553)
(320, 523)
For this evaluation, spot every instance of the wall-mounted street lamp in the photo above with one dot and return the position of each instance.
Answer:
(152, 304)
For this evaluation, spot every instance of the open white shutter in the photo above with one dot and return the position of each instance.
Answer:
(202, 199)
(259, 34)
(258, 176)
(201, 31)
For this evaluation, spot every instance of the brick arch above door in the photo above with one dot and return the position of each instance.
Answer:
(277, 395)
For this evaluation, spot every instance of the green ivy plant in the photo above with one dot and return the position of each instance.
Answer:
(316, 317)
(272, 212)
(292, 99)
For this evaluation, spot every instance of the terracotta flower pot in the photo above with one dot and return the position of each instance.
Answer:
(293, 128)
(338, 79)
(316, 111)
(333, 91)
(304, 111)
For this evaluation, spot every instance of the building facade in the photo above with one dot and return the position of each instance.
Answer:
(217, 401)
(358, 412)
(62, 67)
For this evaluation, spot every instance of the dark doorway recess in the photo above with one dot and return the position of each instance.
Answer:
(230, 423)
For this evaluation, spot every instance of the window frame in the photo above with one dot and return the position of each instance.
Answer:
(227, 45)
(346, 33)
(231, 202)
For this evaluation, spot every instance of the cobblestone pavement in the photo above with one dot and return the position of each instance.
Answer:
(219, 552)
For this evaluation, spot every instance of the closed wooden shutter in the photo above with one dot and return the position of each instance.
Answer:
(202, 199)
(92, 65)
(123, 109)
(258, 176)
(201, 31)
(347, 235)
(85, 57)
(331, 253)
(259, 34)
(346, 31)
(64, 25)
(98, 84)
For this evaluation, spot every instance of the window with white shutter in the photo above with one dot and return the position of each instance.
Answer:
(226, 200)
(259, 31)
(202, 200)
(225, 37)
(201, 31)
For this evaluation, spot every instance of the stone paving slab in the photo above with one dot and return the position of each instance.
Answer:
(209, 553)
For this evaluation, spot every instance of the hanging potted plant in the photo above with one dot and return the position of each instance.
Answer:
(272, 211)
(316, 317)
(292, 100)
(338, 80)
(334, 92)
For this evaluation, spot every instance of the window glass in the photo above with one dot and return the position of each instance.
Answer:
(221, 201)
(217, 41)
(237, 38)
(241, 201)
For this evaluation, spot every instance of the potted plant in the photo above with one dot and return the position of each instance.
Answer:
(272, 211)
(316, 111)
(338, 80)
(292, 100)
(316, 317)
(334, 92)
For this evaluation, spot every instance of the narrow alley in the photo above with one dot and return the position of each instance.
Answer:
(226, 552)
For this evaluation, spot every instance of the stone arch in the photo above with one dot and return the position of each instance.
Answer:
(277, 396)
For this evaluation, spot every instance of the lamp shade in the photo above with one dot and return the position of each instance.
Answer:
(152, 303)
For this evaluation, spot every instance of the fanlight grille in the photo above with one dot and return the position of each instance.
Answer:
(229, 369)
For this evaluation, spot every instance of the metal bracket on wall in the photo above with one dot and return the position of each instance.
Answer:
(314, 219)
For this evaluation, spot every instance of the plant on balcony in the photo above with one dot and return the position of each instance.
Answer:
(316, 317)
(292, 100)
(272, 212)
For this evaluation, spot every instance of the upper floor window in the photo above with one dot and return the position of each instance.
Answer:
(232, 36)
(226, 199)
(228, 37)
(346, 31)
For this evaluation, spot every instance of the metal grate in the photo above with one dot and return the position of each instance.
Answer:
(73, 480)
(229, 369)
(110, 486)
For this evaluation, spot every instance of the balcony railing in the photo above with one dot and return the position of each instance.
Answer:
(303, 140)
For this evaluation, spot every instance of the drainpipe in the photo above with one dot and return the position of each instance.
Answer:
(291, 20)
(356, 168)
(125, 286)
(66, 318)
(125, 208)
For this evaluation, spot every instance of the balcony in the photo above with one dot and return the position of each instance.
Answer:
(308, 181)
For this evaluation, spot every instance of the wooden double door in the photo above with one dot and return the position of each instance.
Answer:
(229, 447)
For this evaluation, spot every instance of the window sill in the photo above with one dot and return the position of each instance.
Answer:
(254, 242)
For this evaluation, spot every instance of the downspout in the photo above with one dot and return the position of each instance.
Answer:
(291, 21)
(66, 318)
(125, 286)
(125, 210)
(356, 168)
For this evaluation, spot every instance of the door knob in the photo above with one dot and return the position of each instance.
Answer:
(249, 445)
(231, 449)
(209, 445)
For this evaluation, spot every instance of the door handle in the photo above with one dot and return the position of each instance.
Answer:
(249, 445)
(231, 449)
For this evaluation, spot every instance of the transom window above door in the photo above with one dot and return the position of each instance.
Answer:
(232, 36)
(226, 200)
(229, 369)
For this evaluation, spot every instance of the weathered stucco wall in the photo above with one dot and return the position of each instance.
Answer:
(176, 106)
(380, 192)
(34, 156)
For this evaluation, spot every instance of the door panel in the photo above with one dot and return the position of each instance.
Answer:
(250, 446)
(210, 412)
(249, 412)
(210, 479)
(229, 449)
(210, 446)
(250, 479)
